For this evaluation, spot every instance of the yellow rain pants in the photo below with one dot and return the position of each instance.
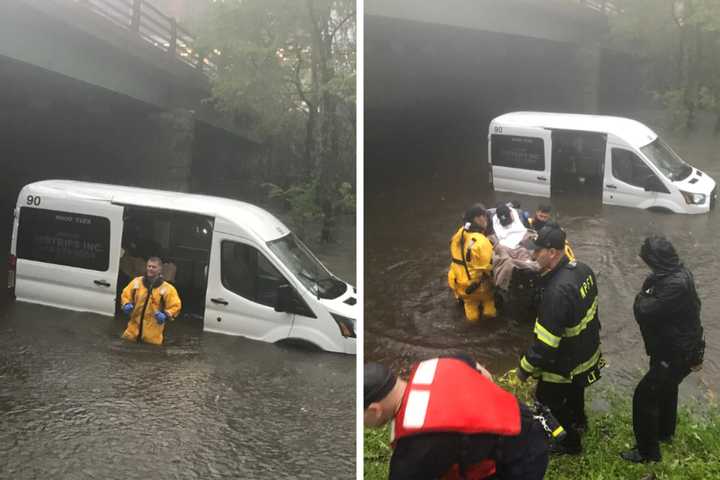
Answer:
(476, 269)
(163, 297)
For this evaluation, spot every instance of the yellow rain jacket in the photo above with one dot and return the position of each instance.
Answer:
(163, 298)
(476, 269)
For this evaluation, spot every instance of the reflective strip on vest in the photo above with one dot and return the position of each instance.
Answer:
(418, 400)
(425, 373)
(416, 408)
(589, 315)
(555, 378)
(545, 336)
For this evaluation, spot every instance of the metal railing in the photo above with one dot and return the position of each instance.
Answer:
(153, 26)
(604, 6)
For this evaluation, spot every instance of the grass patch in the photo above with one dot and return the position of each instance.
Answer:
(693, 455)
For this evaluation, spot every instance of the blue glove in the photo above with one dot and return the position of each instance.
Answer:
(128, 308)
(160, 317)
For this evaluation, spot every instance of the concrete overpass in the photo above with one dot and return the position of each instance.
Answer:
(433, 68)
(109, 87)
(123, 46)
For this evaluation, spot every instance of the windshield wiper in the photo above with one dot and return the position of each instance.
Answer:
(314, 280)
(317, 281)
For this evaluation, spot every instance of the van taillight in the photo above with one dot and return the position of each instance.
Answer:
(12, 266)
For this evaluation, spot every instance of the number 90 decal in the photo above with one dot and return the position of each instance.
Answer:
(33, 200)
(497, 129)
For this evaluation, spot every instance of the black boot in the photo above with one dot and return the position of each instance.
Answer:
(561, 448)
(635, 456)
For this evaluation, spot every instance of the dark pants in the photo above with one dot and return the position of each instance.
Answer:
(532, 463)
(566, 401)
(655, 405)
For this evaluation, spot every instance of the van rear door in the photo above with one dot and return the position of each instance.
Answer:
(520, 159)
(68, 253)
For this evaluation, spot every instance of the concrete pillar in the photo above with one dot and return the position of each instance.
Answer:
(588, 61)
(167, 150)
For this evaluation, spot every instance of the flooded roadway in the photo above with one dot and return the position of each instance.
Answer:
(76, 402)
(409, 310)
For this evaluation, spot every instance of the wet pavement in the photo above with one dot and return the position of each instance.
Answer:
(410, 216)
(78, 403)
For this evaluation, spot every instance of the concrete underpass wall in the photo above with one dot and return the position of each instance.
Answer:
(431, 91)
(55, 127)
(229, 166)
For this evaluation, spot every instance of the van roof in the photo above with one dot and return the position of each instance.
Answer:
(632, 131)
(253, 218)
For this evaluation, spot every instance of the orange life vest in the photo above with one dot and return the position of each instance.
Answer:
(447, 395)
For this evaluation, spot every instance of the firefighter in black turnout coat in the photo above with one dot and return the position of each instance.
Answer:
(667, 309)
(565, 355)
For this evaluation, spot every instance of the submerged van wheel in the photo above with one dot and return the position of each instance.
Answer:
(299, 344)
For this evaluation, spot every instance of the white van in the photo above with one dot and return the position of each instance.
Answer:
(75, 245)
(618, 160)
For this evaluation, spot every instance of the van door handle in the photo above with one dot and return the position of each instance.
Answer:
(611, 186)
(102, 283)
(221, 301)
(542, 178)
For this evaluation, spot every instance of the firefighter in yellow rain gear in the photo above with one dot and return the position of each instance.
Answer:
(470, 274)
(151, 299)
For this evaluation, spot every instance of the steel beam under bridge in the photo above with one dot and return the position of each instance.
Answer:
(64, 37)
(573, 21)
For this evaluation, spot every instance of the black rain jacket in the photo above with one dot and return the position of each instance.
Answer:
(567, 342)
(667, 309)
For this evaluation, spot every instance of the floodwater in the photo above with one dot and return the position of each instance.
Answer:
(410, 216)
(76, 402)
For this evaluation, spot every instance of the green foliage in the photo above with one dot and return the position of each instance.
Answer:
(346, 198)
(674, 103)
(301, 202)
(678, 43)
(693, 455)
(286, 72)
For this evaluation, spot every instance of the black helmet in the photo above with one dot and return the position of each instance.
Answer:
(476, 210)
(379, 381)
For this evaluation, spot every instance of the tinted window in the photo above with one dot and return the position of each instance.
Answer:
(248, 273)
(629, 168)
(63, 238)
(518, 152)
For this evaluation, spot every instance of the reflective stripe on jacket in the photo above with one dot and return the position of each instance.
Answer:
(567, 329)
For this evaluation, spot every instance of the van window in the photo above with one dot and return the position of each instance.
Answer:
(629, 168)
(667, 161)
(312, 274)
(513, 151)
(64, 238)
(246, 271)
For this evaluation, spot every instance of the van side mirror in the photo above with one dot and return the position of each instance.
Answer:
(289, 301)
(654, 184)
(284, 300)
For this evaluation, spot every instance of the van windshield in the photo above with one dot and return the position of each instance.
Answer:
(313, 275)
(667, 161)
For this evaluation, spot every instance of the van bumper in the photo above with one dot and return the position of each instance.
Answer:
(350, 345)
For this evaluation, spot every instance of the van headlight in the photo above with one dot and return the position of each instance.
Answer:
(694, 198)
(347, 325)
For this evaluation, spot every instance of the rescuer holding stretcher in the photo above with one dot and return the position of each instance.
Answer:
(151, 302)
(470, 273)
(450, 421)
